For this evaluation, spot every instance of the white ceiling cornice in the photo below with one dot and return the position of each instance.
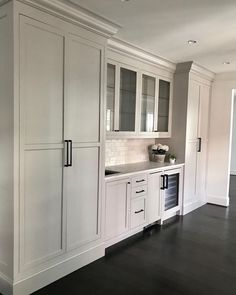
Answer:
(194, 68)
(134, 51)
(69, 10)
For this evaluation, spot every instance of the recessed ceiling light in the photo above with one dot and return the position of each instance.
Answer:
(226, 62)
(125, 0)
(191, 42)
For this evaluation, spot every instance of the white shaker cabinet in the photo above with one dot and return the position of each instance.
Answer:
(53, 98)
(192, 92)
(49, 117)
(154, 196)
(41, 138)
(141, 199)
(196, 143)
(83, 68)
(117, 208)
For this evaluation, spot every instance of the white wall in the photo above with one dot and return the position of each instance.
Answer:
(219, 152)
(233, 151)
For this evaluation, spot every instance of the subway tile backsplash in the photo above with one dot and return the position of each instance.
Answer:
(125, 151)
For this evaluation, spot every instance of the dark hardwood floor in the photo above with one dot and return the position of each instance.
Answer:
(194, 255)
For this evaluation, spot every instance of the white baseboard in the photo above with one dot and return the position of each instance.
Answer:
(233, 172)
(189, 207)
(42, 279)
(124, 236)
(218, 200)
(5, 285)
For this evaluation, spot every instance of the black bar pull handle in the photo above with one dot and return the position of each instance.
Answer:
(139, 192)
(70, 142)
(163, 182)
(66, 147)
(138, 181)
(136, 212)
(166, 186)
(199, 144)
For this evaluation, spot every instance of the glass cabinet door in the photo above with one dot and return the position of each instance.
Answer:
(148, 104)
(172, 191)
(110, 112)
(127, 103)
(163, 106)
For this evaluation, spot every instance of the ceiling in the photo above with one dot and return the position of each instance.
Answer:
(163, 27)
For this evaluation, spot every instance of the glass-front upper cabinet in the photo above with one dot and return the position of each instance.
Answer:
(163, 106)
(110, 113)
(155, 106)
(127, 100)
(138, 103)
(121, 99)
(148, 121)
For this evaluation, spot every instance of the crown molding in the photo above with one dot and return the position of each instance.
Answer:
(191, 67)
(131, 50)
(69, 10)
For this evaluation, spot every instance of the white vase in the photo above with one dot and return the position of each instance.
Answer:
(172, 161)
(159, 158)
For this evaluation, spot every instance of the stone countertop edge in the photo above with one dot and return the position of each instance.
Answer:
(126, 170)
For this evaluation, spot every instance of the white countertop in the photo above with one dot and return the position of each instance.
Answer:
(127, 169)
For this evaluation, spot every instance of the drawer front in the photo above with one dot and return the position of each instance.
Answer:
(138, 180)
(139, 191)
(138, 212)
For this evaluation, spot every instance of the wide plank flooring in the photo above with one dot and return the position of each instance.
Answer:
(195, 255)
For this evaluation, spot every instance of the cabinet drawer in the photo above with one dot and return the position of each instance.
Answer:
(139, 191)
(138, 212)
(140, 179)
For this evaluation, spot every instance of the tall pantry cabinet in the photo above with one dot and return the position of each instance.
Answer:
(192, 91)
(52, 139)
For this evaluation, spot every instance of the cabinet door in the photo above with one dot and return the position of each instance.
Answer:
(190, 180)
(203, 125)
(172, 193)
(83, 65)
(41, 117)
(148, 123)
(83, 202)
(193, 110)
(154, 195)
(117, 208)
(111, 89)
(83, 80)
(127, 100)
(164, 106)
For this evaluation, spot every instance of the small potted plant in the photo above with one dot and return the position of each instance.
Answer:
(159, 152)
(172, 158)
